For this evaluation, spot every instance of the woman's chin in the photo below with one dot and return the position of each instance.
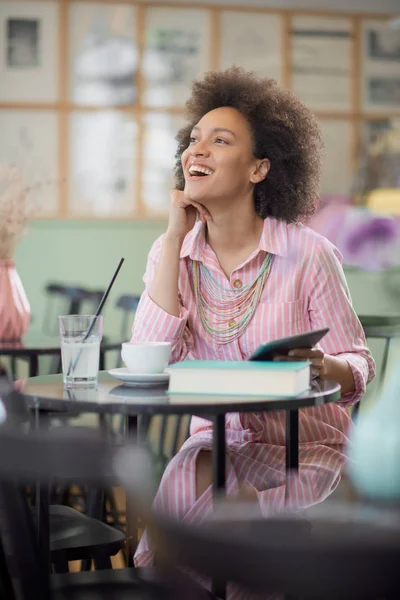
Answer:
(197, 195)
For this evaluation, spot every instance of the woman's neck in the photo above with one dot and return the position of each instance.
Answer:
(234, 231)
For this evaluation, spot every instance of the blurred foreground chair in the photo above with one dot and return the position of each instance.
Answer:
(24, 572)
(382, 328)
(340, 552)
(67, 534)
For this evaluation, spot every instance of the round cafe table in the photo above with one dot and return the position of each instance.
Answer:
(35, 344)
(47, 393)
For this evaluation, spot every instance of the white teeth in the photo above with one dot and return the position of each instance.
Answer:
(197, 169)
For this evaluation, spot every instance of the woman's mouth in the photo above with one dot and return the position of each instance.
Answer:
(198, 172)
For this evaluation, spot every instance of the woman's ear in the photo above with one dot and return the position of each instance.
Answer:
(261, 170)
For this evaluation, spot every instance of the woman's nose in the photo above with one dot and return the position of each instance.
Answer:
(200, 149)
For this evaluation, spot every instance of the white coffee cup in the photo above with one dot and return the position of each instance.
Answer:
(146, 357)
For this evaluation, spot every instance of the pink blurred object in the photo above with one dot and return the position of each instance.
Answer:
(15, 312)
(366, 240)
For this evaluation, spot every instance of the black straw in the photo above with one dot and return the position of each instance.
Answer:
(97, 313)
(104, 298)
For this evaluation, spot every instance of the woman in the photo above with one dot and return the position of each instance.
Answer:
(247, 271)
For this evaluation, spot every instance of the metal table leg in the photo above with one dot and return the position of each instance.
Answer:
(292, 457)
(131, 511)
(33, 365)
(219, 468)
(102, 360)
(292, 440)
(42, 501)
(219, 460)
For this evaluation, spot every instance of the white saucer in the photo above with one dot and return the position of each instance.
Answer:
(139, 379)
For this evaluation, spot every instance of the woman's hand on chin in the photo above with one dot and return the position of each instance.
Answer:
(183, 213)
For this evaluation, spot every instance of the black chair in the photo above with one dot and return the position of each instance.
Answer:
(23, 567)
(68, 534)
(165, 436)
(381, 328)
(127, 304)
(341, 552)
(67, 300)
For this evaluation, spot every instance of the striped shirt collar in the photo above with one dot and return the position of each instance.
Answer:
(273, 239)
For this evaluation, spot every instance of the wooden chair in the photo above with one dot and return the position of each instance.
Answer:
(384, 328)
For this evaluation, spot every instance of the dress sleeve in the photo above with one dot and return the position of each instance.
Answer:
(154, 324)
(330, 305)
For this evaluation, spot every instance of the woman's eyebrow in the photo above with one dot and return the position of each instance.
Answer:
(216, 130)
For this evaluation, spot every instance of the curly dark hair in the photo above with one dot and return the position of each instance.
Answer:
(284, 130)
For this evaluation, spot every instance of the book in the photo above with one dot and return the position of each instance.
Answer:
(247, 379)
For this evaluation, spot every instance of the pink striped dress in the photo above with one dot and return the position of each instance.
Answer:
(306, 289)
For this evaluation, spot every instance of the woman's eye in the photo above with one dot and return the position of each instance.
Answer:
(193, 140)
(220, 141)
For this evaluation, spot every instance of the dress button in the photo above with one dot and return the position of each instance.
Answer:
(232, 322)
(237, 284)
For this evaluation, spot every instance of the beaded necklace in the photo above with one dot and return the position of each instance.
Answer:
(225, 313)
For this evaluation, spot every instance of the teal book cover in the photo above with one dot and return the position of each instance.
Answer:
(241, 365)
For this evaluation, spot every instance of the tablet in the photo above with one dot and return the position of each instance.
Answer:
(284, 345)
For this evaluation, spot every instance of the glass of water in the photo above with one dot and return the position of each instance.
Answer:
(80, 349)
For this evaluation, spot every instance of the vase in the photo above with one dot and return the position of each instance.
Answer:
(15, 311)
(375, 448)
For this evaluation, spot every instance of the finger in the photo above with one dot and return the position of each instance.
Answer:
(315, 372)
(287, 359)
(186, 202)
(203, 212)
(202, 209)
(307, 352)
(317, 362)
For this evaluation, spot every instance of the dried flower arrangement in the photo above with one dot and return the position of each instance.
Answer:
(16, 209)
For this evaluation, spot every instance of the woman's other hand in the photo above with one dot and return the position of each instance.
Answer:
(183, 213)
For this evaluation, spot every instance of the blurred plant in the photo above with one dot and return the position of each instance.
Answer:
(16, 209)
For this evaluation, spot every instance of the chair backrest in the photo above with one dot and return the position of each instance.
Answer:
(128, 304)
(384, 328)
(19, 552)
(68, 300)
(23, 562)
(165, 435)
(380, 326)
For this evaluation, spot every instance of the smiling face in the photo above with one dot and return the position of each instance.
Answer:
(219, 163)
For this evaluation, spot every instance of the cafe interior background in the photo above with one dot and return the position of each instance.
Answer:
(92, 95)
